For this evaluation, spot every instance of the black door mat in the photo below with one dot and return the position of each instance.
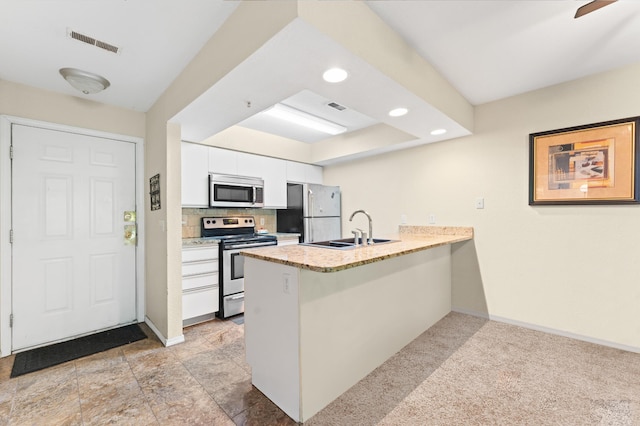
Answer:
(48, 356)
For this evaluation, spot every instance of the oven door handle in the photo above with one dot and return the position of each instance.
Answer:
(243, 246)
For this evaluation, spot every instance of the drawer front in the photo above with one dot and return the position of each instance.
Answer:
(200, 253)
(197, 268)
(233, 304)
(199, 302)
(199, 281)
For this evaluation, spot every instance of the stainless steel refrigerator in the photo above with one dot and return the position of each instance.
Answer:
(312, 211)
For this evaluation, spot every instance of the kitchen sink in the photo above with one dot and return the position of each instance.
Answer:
(344, 243)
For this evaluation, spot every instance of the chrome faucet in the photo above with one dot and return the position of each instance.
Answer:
(370, 239)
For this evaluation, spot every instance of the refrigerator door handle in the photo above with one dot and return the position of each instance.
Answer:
(311, 239)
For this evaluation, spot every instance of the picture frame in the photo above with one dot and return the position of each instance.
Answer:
(589, 164)
(154, 192)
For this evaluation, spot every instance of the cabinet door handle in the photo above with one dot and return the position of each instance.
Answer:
(237, 297)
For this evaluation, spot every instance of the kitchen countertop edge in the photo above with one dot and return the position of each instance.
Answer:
(410, 240)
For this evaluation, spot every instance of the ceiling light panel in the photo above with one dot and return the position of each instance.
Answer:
(301, 118)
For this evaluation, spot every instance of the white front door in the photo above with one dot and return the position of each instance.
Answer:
(73, 270)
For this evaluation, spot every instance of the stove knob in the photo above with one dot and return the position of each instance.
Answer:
(208, 222)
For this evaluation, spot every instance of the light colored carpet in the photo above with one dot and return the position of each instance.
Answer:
(470, 371)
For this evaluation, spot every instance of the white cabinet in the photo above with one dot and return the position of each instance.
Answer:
(195, 175)
(303, 173)
(200, 283)
(250, 164)
(271, 170)
(275, 172)
(223, 161)
(314, 174)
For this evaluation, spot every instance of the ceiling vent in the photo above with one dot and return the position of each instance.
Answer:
(92, 41)
(337, 106)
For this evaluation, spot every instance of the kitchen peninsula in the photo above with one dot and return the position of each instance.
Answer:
(317, 320)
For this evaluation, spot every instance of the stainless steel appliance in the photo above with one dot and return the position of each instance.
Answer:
(235, 234)
(235, 191)
(312, 211)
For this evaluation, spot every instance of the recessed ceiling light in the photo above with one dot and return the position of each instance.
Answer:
(398, 112)
(438, 132)
(335, 75)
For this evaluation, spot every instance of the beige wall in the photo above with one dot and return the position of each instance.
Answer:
(568, 268)
(225, 50)
(28, 102)
(243, 139)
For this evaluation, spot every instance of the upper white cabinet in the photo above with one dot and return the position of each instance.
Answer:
(272, 170)
(303, 173)
(314, 174)
(223, 161)
(250, 164)
(195, 175)
(200, 160)
(274, 173)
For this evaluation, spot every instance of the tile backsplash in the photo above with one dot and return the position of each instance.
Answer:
(191, 219)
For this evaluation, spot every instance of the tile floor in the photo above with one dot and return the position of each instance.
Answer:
(202, 381)
(462, 371)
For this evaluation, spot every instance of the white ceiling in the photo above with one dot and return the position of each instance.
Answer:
(157, 37)
(488, 50)
(491, 50)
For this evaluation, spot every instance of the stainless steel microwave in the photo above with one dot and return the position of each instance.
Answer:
(235, 191)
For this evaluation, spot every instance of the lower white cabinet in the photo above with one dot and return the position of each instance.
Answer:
(200, 282)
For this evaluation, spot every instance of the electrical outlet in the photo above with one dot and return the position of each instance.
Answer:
(403, 218)
(286, 284)
(480, 203)
(432, 218)
(262, 221)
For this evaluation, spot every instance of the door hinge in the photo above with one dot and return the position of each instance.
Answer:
(11, 321)
(10, 236)
(11, 152)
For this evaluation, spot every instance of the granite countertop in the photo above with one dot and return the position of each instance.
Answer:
(411, 239)
(199, 242)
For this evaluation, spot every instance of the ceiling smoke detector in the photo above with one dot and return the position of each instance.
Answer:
(86, 82)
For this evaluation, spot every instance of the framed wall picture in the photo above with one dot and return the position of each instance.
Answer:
(154, 192)
(590, 164)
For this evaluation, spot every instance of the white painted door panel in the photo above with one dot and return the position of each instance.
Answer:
(72, 271)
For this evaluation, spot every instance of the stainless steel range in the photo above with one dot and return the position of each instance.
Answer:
(235, 234)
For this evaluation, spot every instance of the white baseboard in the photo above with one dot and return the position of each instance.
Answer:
(549, 330)
(470, 312)
(163, 339)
